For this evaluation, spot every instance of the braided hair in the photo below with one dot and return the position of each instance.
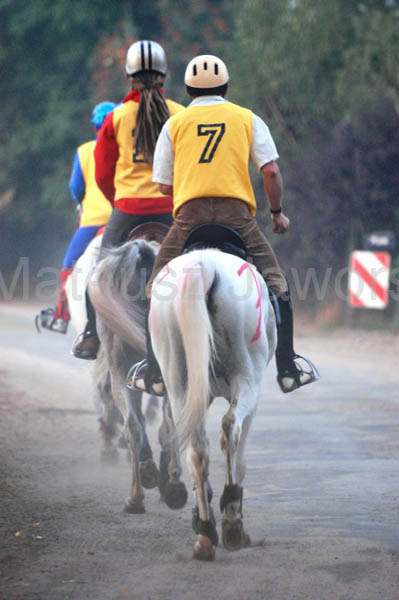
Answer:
(152, 113)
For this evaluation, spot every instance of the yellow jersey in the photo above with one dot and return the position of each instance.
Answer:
(96, 209)
(212, 145)
(133, 176)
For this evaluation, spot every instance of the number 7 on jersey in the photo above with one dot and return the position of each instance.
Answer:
(214, 132)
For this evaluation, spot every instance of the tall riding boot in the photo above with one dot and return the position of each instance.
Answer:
(290, 374)
(87, 344)
(146, 375)
(61, 315)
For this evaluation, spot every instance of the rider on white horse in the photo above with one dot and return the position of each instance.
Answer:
(94, 212)
(201, 158)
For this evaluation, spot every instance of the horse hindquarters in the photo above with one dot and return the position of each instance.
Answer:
(182, 338)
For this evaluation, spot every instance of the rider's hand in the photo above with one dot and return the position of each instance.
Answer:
(281, 223)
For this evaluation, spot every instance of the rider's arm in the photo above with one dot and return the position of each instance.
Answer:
(106, 155)
(77, 185)
(164, 156)
(263, 155)
(273, 185)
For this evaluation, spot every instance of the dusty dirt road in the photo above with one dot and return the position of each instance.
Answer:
(321, 492)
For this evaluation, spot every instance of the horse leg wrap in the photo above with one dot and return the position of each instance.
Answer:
(207, 528)
(231, 493)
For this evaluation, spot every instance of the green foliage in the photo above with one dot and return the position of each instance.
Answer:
(191, 28)
(324, 77)
(288, 63)
(370, 69)
(305, 63)
(45, 81)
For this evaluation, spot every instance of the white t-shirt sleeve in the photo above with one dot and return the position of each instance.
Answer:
(263, 148)
(164, 156)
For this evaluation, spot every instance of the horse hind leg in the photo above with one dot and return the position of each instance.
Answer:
(109, 420)
(204, 523)
(108, 415)
(135, 502)
(172, 490)
(132, 431)
(149, 473)
(235, 426)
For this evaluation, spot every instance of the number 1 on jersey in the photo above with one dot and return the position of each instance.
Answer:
(215, 132)
(136, 156)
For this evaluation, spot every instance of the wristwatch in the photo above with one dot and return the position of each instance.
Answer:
(276, 212)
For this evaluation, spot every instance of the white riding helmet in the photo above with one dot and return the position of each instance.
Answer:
(206, 71)
(146, 55)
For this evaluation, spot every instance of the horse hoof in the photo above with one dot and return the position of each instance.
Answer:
(109, 456)
(233, 535)
(149, 474)
(134, 507)
(175, 494)
(204, 549)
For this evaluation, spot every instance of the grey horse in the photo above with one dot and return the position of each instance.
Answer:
(117, 291)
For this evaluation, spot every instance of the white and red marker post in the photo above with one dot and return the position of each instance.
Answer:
(369, 274)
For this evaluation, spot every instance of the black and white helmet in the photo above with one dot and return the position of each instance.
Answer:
(145, 55)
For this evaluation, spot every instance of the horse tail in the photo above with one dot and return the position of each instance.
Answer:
(117, 291)
(196, 330)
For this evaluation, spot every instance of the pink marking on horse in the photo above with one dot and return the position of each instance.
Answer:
(258, 304)
(167, 271)
(187, 272)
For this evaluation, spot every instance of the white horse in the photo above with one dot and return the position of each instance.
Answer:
(213, 333)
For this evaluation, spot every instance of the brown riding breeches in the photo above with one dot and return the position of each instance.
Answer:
(224, 211)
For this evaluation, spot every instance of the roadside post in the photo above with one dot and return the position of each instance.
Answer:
(369, 273)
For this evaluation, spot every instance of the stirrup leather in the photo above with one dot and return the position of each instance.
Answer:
(139, 378)
(306, 372)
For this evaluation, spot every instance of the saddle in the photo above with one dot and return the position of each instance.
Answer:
(151, 232)
(212, 235)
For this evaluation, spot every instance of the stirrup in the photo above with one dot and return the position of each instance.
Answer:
(44, 319)
(84, 353)
(59, 325)
(289, 381)
(136, 379)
